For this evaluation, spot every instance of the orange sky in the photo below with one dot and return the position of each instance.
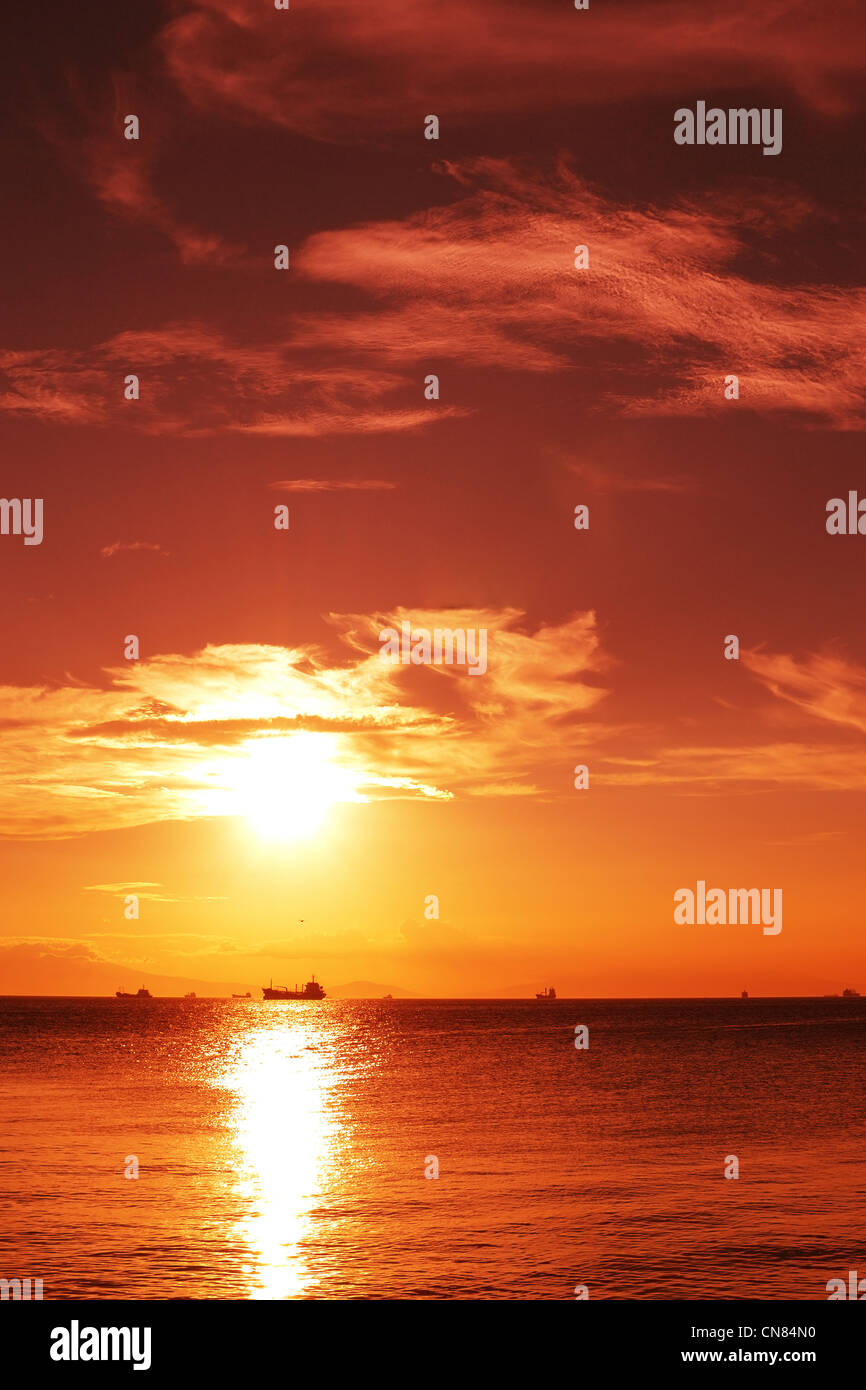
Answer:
(278, 797)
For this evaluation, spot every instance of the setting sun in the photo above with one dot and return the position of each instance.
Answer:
(285, 787)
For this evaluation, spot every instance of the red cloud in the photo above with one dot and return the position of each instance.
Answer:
(389, 64)
(490, 280)
(196, 381)
(331, 485)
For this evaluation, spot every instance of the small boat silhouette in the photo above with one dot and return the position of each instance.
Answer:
(547, 993)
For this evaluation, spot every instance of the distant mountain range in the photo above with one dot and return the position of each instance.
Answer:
(367, 989)
(49, 968)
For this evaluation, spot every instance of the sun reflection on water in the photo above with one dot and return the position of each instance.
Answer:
(286, 1138)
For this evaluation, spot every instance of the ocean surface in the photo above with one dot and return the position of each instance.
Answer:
(282, 1148)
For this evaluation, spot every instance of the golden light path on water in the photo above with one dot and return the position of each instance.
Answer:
(286, 1139)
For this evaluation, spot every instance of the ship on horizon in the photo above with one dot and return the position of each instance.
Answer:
(312, 990)
(142, 994)
(547, 993)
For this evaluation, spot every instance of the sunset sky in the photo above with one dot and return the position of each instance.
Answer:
(279, 797)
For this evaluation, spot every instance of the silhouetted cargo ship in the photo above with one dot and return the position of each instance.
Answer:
(312, 990)
(142, 994)
(547, 993)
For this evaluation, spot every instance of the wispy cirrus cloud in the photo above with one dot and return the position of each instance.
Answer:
(824, 685)
(118, 547)
(606, 479)
(756, 767)
(821, 688)
(662, 315)
(489, 279)
(122, 173)
(383, 63)
(331, 485)
(195, 380)
(121, 176)
(149, 892)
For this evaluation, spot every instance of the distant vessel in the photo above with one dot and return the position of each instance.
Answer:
(191, 995)
(547, 993)
(387, 996)
(312, 990)
(745, 994)
(850, 994)
(142, 994)
(242, 996)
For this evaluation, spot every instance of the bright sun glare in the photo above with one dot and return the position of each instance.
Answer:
(286, 786)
